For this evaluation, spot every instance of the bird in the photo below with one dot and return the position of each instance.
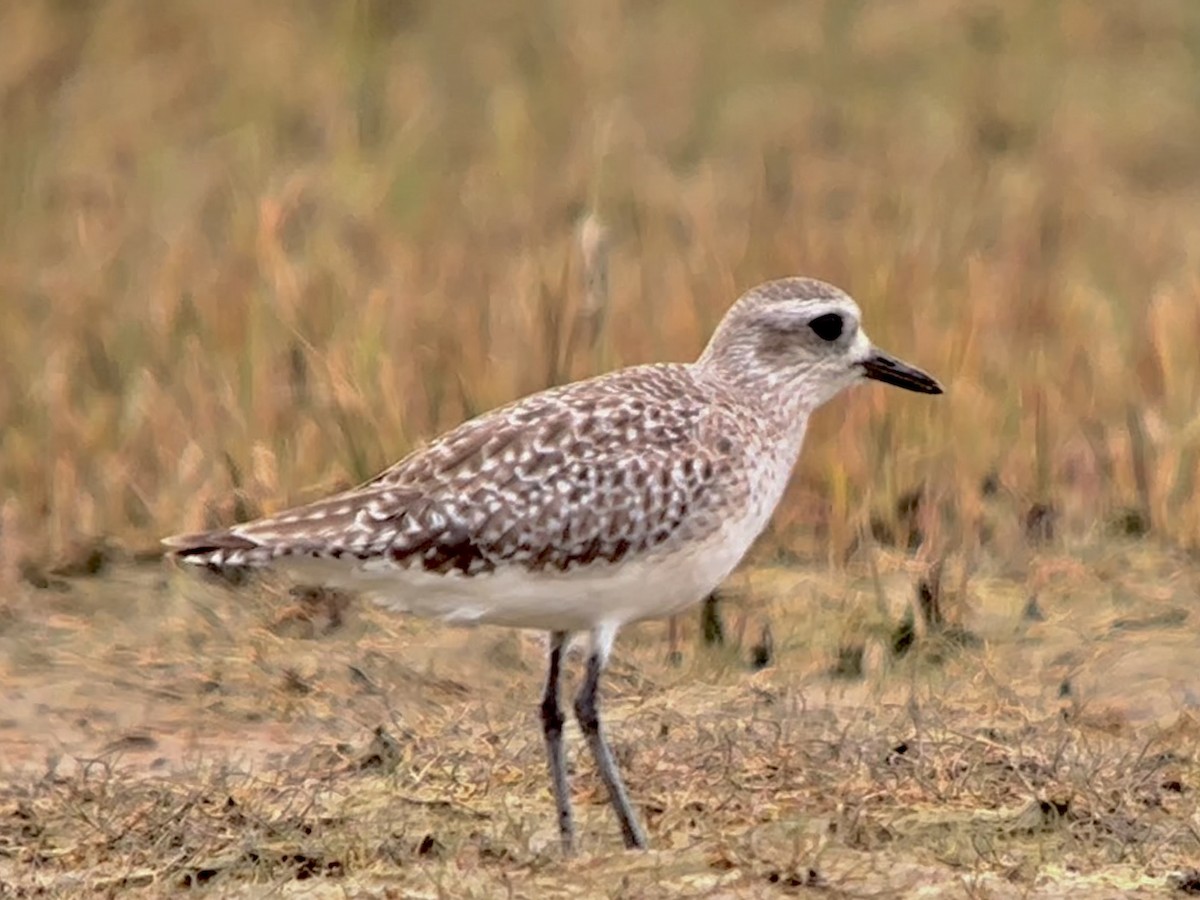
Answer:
(587, 506)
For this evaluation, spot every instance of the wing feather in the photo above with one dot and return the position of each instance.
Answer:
(594, 471)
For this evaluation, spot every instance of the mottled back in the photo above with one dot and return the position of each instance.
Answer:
(627, 464)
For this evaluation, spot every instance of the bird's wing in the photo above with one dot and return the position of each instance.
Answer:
(595, 471)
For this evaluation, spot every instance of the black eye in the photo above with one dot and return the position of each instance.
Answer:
(827, 327)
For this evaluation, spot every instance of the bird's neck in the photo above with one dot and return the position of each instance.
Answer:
(773, 396)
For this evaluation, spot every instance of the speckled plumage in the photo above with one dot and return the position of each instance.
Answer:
(631, 463)
(627, 469)
(584, 507)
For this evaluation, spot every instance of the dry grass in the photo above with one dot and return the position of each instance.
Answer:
(252, 251)
(249, 252)
(162, 733)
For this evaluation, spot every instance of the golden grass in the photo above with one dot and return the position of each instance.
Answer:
(250, 252)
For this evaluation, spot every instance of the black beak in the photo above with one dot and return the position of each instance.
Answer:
(890, 370)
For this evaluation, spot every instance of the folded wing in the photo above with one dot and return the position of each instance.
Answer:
(561, 479)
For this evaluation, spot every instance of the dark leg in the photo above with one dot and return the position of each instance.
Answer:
(552, 729)
(588, 713)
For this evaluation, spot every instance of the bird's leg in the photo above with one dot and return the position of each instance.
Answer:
(552, 729)
(588, 714)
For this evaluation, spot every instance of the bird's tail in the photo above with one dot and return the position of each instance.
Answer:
(219, 548)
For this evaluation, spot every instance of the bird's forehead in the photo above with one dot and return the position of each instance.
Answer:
(798, 289)
(790, 297)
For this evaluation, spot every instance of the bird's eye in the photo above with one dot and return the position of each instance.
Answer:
(827, 327)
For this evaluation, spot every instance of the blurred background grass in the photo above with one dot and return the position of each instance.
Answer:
(253, 251)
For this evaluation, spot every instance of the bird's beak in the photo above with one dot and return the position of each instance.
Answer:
(890, 370)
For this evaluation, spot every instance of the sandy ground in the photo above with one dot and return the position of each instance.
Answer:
(160, 731)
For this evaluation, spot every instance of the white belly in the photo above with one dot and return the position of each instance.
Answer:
(577, 600)
(581, 599)
(645, 587)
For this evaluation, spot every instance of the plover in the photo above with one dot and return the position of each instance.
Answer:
(588, 506)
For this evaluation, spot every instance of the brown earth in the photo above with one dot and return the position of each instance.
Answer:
(161, 731)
